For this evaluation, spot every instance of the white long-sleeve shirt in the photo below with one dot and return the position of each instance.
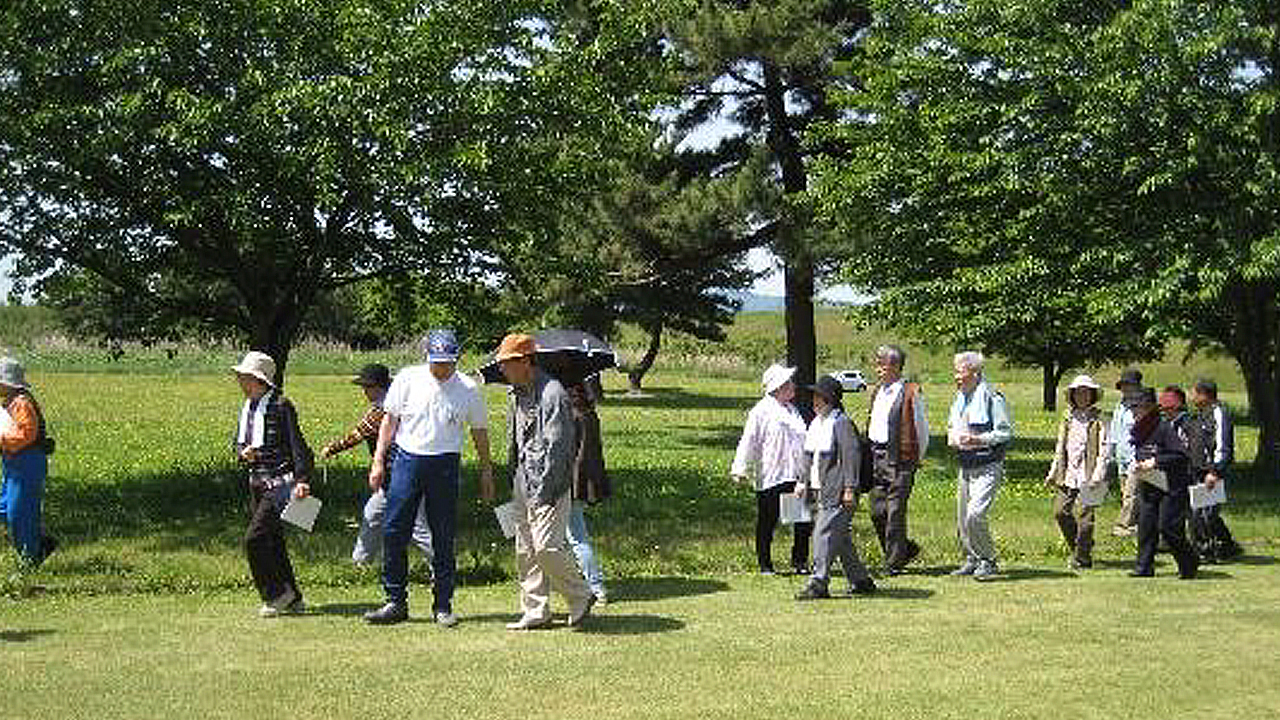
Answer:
(771, 449)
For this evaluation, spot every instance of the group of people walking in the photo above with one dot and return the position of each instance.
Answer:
(416, 423)
(830, 462)
(415, 429)
(1160, 451)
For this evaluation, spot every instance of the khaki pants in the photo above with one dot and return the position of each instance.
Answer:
(544, 560)
(1128, 517)
(1075, 520)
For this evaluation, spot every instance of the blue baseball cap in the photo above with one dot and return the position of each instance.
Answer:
(440, 345)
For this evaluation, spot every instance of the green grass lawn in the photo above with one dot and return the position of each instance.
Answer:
(147, 611)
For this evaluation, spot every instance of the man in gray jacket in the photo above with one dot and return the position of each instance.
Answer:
(541, 450)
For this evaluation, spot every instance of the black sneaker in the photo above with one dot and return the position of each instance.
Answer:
(48, 544)
(813, 592)
(1230, 551)
(388, 614)
(863, 587)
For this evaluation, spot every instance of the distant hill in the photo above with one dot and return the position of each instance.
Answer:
(753, 303)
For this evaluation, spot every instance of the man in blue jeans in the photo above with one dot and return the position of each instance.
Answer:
(427, 408)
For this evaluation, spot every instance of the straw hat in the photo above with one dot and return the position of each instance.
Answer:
(516, 346)
(775, 377)
(259, 365)
(12, 374)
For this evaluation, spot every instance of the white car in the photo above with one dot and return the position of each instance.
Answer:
(850, 380)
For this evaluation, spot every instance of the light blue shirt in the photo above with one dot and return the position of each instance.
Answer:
(1120, 439)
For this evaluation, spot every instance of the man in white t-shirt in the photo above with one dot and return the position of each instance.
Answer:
(427, 408)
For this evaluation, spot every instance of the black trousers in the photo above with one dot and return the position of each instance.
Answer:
(265, 548)
(888, 500)
(767, 511)
(1163, 514)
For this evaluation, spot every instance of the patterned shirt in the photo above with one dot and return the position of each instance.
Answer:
(366, 430)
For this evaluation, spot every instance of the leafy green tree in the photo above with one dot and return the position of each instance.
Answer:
(663, 249)
(231, 161)
(761, 73)
(1121, 156)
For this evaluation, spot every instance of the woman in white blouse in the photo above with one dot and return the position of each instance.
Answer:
(770, 452)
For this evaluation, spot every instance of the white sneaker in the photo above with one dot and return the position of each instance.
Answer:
(289, 603)
(446, 619)
(576, 617)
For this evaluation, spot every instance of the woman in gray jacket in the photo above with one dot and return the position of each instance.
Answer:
(831, 467)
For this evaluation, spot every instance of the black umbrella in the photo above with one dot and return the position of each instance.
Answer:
(569, 356)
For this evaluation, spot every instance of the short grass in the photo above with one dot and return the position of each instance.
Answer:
(147, 610)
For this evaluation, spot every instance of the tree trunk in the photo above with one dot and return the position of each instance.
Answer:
(275, 333)
(1052, 375)
(1256, 347)
(802, 343)
(636, 374)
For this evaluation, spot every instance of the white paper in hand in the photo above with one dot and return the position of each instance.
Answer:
(1203, 497)
(1154, 477)
(301, 512)
(506, 514)
(6, 421)
(792, 510)
(1092, 495)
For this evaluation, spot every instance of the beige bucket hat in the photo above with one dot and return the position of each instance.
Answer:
(259, 365)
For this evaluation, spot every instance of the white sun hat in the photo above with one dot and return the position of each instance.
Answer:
(1083, 381)
(775, 377)
(259, 365)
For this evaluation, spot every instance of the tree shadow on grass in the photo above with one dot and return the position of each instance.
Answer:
(1253, 560)
(599, 623)
(357, 609)
(898, 593)
(22, 635)
(646, 589)
(1029, 573)
(611, 624)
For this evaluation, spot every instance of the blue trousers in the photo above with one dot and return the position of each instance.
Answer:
(580, 541)
(432, 481)
(21, 499)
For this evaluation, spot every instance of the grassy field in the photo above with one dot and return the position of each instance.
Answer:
(147, 610)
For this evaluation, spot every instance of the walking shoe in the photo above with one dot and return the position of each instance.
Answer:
(986, 570)
(48, 544)
(812, 592)
(1078, 564)
(529, 623)
(602, 598)
(389, 614)
(862, 587)
(967, 568)
(446, 619)
(288, 603)
(576, 618)
(1124, 530)
(1229, 551)
(1141, 573)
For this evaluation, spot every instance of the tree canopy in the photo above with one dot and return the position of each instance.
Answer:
(230, 161)
(1090, 179)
